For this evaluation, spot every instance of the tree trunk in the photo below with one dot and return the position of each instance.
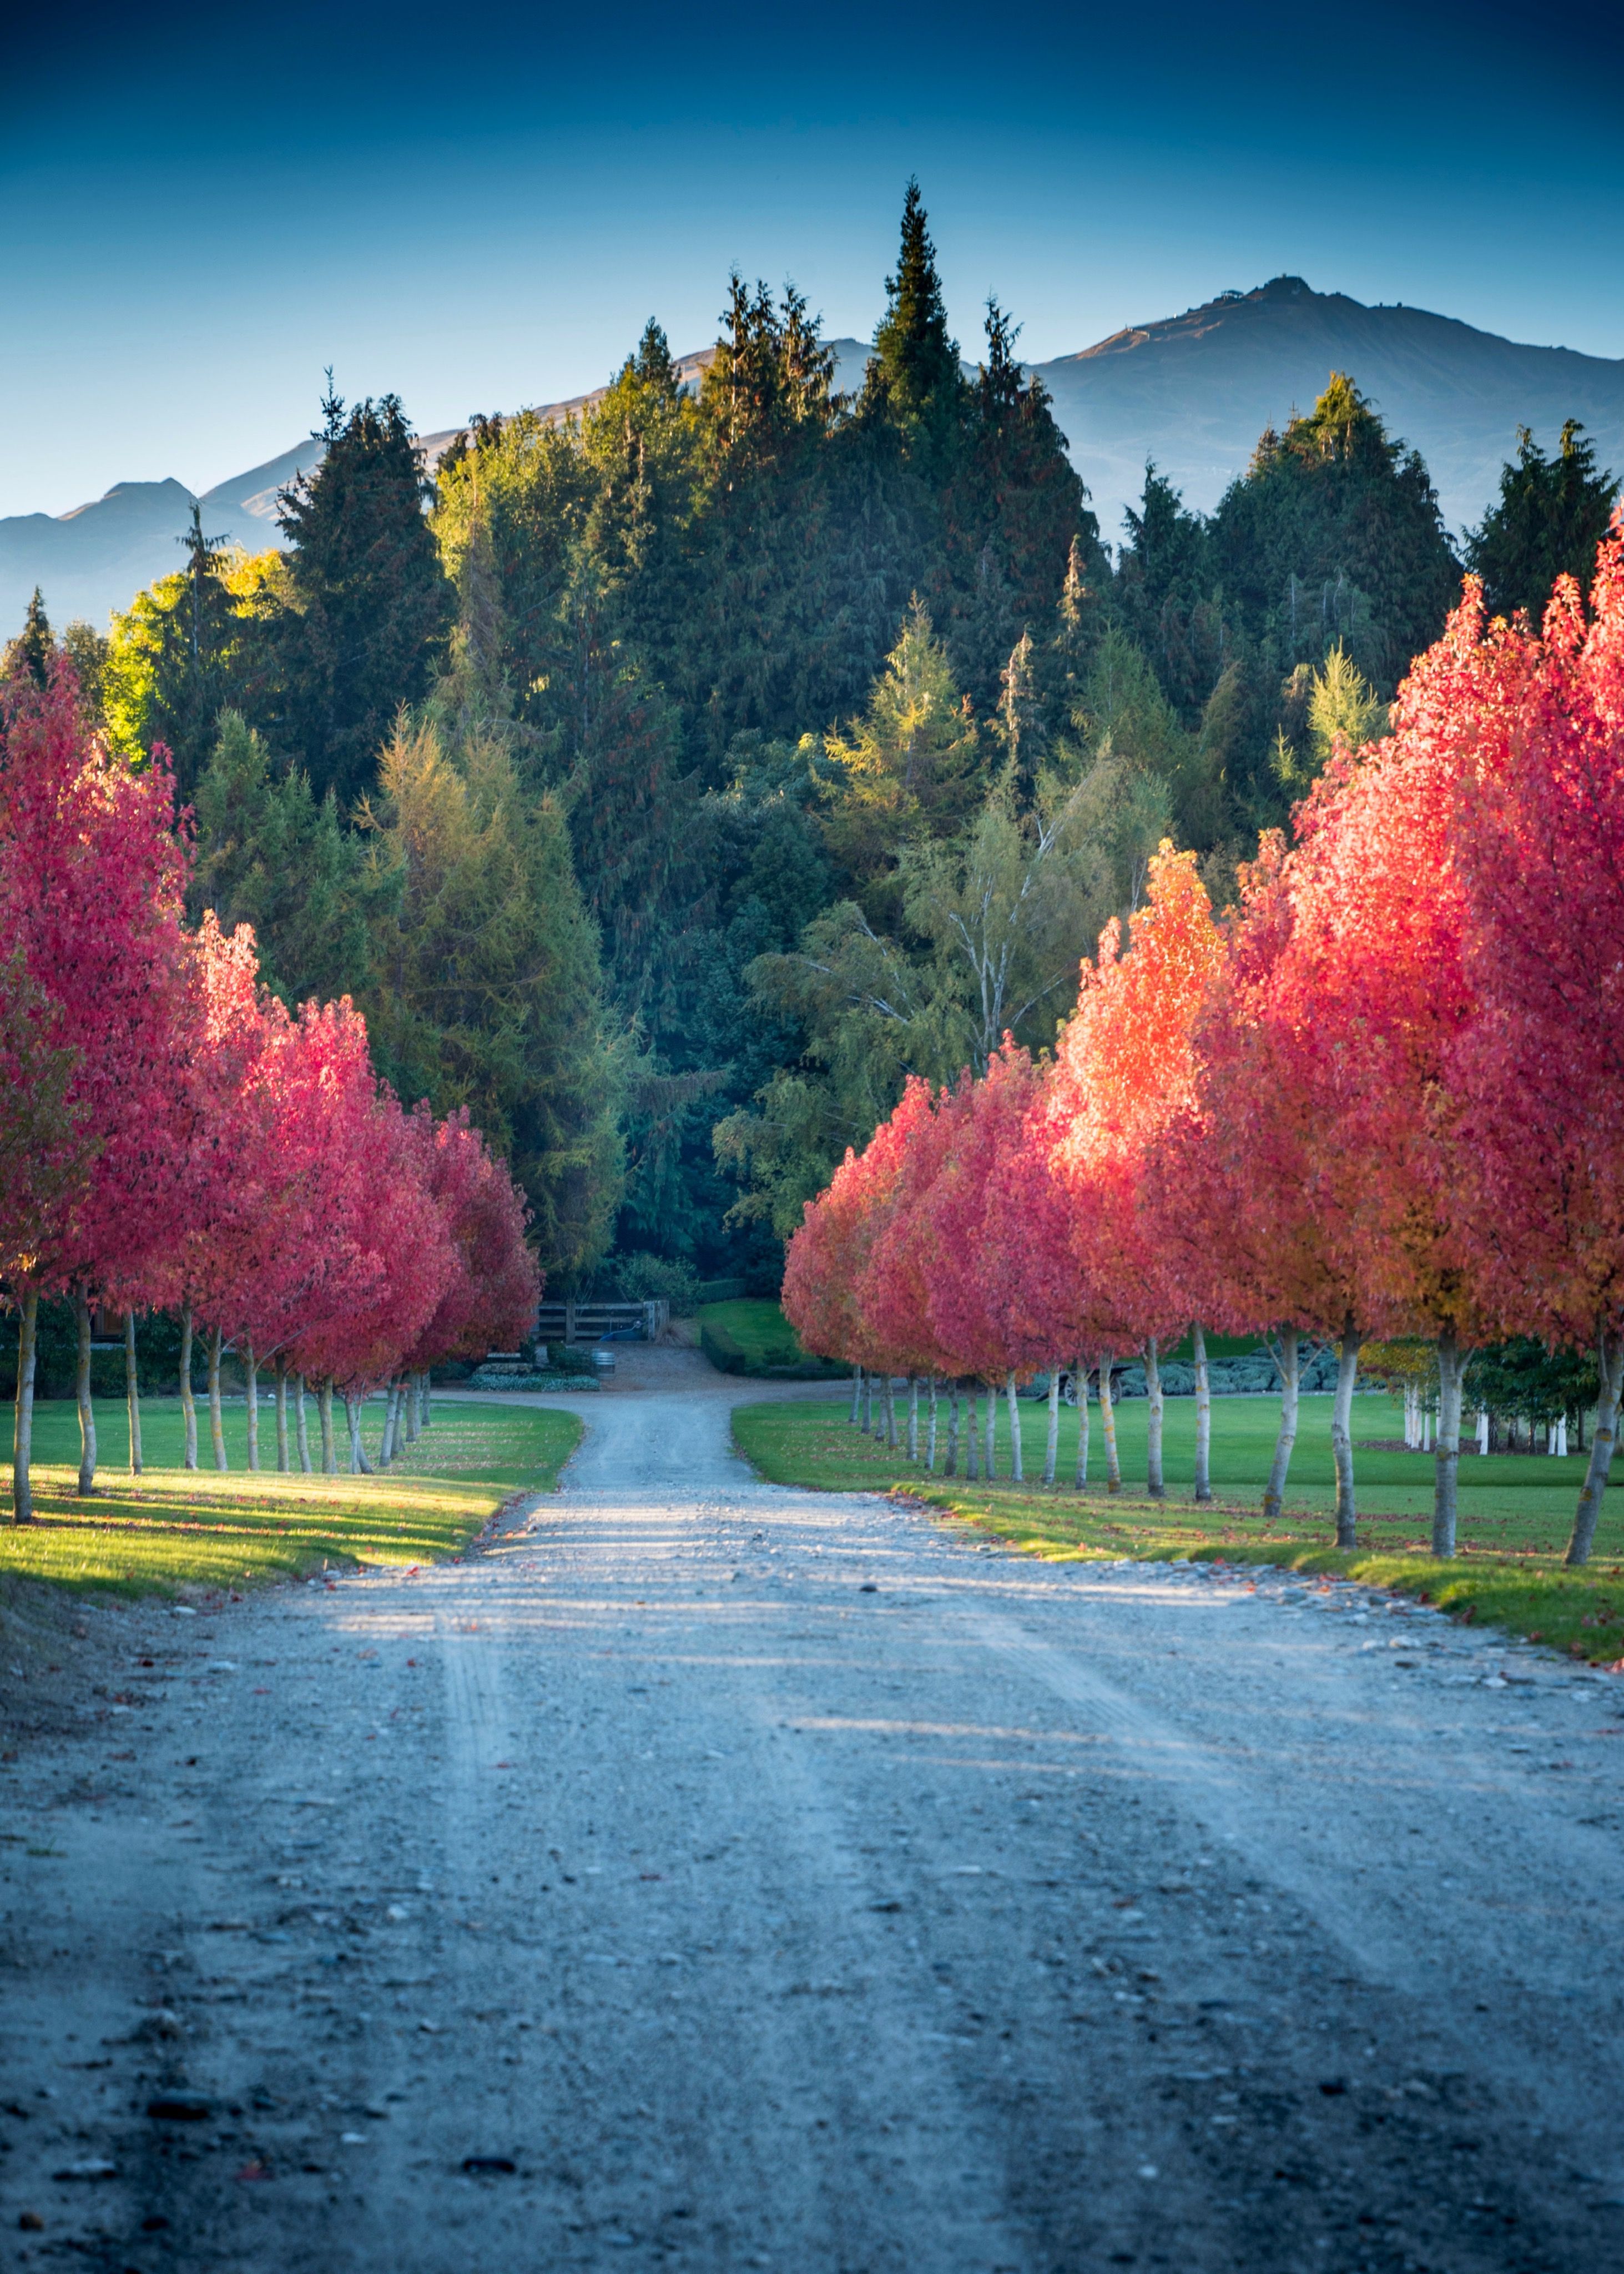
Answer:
(352, 1413)
(1286, 1360)
(414, 1423)
(930, 1433)
(868, 1403)
(1341, 1434)
(216, 1416)
(1017, 1474)
(1108, 1427)
(22, 1438)
(1451, 1369)
(890, 1413)
(81, 1391)
(324, 1408)
(299, 1421)
(857, 1375)
(281, 1417)
(1610, 1365)
(1203, 1415)
(972, 1451)
(250, 1375)
(132, 1394)
(1051, 1443)
(913, 1417)
(950, 1467)
(991, 1463)
(1154, 1419)
(1081, 1378)
(385, 1444)
(427, 1386)
(188, 1404)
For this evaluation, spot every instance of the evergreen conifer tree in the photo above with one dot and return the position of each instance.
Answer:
(915, 385)
(371, 608)
(1547, 521)
(33, 647)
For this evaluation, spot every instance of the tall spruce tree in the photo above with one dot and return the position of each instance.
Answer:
(915, 386)
(1550, 516)
(32, 649)
(370, 606)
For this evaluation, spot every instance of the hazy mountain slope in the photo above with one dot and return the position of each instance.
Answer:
(1194, 392)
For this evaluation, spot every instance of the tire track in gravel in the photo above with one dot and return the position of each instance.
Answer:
(853, 1900)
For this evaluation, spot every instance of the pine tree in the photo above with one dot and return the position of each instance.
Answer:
(914, 384)
(33, 647)
(1551, 516)
(271, 855)
(371, 608)
(486, 988)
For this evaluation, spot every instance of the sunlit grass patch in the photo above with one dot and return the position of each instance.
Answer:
(169, 1528)
(1514, 1519)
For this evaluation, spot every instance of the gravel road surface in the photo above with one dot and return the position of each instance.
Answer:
(710, 1876)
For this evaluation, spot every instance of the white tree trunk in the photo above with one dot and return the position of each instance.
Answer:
(188, 1404)
(1609, 1365)
(1203, 1415)
(324, 1409)
(913, 1417)
(81, 1391)
(1081, 1379)
(973, 1463)
(414, 1410)
(890, 1413)
(281, 1417)
(1286, 1360)
(1051, 1443)
(1446, 1501)
(303, 1431)
(132, 1394)
(857, 1375)
(1108, 1427)
(1017, 1472)
(1154, 1419)
(216, 1416)
(1341, 1434)
(426, 1387)
(250, 1375)
(22, 1436)
(930, 1435)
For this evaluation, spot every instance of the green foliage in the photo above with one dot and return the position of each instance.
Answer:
(1551, 516)
(484, 988)
(751, 1335)
(369, 608)
(1523, 1380)
(1333, 536)
(270, 856)
(32, 649)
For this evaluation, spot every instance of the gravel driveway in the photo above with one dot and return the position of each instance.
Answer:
(713, 1876)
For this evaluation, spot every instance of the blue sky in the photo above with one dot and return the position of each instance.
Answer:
(198, 210)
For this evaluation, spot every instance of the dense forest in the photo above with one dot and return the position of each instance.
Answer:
(668, 782)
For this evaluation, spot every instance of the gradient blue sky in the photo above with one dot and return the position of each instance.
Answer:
(200, 209)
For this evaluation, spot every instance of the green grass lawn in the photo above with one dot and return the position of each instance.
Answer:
(1515, 1511)
(169, 1528)
(751, 1335)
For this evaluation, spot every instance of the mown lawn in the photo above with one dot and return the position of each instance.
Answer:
(1516, 1511)
(168, 1529)
(750, 1334)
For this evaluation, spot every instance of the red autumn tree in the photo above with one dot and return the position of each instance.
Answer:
(91, 876)
(1539, 717)
(1125, 1070)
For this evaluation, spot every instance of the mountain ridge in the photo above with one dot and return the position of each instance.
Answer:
(1193, 392)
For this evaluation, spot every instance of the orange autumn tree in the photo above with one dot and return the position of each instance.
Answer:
(1124, 1070)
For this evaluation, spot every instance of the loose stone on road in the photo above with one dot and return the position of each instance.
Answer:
(711, 1875)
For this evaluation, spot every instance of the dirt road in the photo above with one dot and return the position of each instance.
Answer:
(716, 1877)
